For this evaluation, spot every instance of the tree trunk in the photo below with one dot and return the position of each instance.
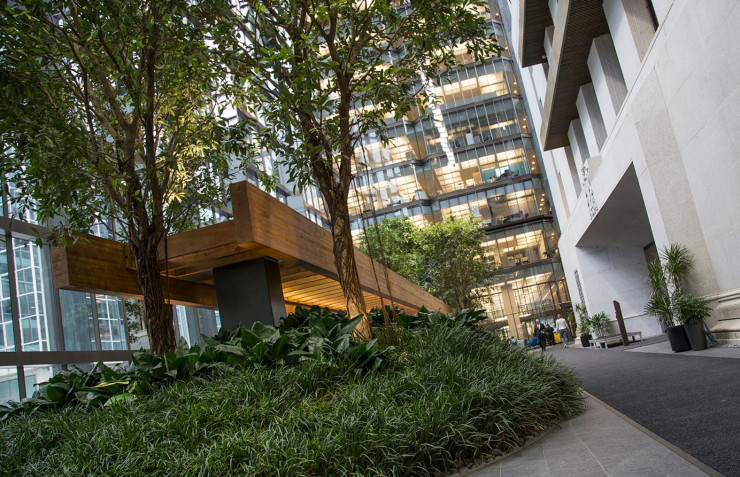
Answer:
(344, 259)
(158, 314)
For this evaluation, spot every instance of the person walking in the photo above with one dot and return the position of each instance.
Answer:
(541, 333)
(550, 334)
(562, 327)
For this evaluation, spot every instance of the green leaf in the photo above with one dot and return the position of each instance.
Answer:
(57, 392)
(351, 325)
(249, 339)
(119, 398)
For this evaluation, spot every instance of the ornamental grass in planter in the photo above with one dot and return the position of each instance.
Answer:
(671, 304)
(692, 311)
(584, 324)
(599, 324)
(446, 391)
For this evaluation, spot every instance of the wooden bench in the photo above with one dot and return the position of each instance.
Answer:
(604, 342)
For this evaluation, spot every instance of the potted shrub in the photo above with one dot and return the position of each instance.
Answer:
(659, 306)
(600, 324)
(584, 325)
(692, 311)
(665, 276)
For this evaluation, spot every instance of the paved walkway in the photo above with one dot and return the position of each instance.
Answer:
(596, 443)
(690, 399)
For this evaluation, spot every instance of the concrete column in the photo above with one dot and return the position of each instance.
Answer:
(570, 183)
(578, 142)
(575, 174)
(632, 29)
(553, 4)
(563, 195)
(607, 79)
(661, 8)
(248, 292)
(591, 119)
(515, 325)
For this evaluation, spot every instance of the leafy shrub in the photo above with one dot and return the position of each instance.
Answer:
(306, 334)
(452, 393)
(669, 301)
(599, 323)
(691, 309)
(584, 321)
(468, 317)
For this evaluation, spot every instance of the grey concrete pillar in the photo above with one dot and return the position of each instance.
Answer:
(248, 292)
(577, 140)
(632, 28)
(591, 119)
(607, 78)
(574, 170)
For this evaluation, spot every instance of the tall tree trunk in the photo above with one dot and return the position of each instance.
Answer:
(344, 259)
(158, 313)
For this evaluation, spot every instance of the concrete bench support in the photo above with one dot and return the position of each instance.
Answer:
(248, 292)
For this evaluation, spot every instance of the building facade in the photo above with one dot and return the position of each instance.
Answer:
(634, 103)
(473, 155)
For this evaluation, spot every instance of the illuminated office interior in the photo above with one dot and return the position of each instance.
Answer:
(473, 155)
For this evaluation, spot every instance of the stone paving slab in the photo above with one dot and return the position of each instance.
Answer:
(664, 347)
(596, 443)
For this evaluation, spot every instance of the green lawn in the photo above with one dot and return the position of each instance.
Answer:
(444, 394)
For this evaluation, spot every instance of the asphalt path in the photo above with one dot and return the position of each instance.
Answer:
(691, 401)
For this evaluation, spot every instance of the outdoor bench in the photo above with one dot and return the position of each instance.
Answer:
(614, 339)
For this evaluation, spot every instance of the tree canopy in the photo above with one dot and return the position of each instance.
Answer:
(322, 74)
(114, 112)
(446, 258)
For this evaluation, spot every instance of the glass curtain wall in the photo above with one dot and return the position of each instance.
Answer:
(472, 156)
(36, 317)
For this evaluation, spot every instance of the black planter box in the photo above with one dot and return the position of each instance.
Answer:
(697, 338)
(678, 339)
(586, 340)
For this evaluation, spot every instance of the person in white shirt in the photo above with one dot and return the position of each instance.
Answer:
(562, 327)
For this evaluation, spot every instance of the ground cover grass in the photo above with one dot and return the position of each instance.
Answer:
(445, 393)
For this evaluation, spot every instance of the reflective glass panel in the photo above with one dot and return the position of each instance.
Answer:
(110, 322)
(77, 320)
(9, 390)
(6, 316)
(34, 297)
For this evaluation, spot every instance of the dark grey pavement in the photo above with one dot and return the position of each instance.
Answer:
(693, 402)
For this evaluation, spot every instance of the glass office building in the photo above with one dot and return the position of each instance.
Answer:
(473, 155)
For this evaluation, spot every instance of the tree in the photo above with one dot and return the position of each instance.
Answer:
(453, 261)
(400, 242)
(323, 73)
(111, 112)
(446, 258)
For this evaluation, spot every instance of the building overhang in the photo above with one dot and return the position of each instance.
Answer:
(534, 18)
(262, 227)
(578, 22)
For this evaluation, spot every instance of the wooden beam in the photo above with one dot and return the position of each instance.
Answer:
(285, 232)
(97, 265)
(262, 227)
